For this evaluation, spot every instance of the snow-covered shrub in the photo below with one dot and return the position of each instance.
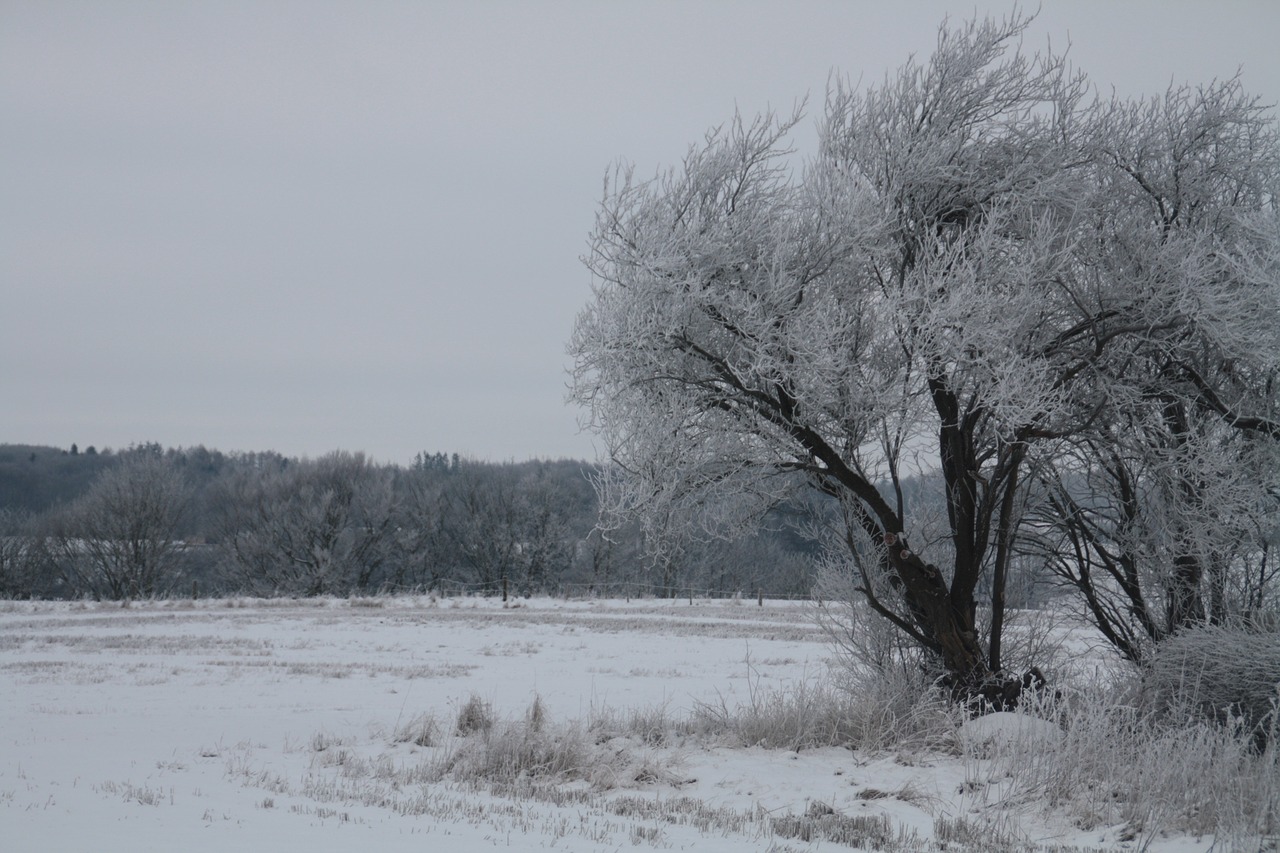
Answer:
(1224, 674)
(1119, 763)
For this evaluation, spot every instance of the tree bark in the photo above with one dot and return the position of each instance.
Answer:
(968, 675)
(930, 601)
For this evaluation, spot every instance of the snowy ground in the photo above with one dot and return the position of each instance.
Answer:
(251, 725)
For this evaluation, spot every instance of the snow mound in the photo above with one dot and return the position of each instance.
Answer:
(1006, 727)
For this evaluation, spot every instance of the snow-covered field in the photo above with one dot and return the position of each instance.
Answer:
(329, 724)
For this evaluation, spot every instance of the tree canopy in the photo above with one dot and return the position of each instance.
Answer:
(1064, 309)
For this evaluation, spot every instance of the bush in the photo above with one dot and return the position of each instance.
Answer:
(1228, 675)
(1120, 763)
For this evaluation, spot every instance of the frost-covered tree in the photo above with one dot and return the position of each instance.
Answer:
(22, 556)
(121, 539)
(1161, 504)
(940, 290)
(499, 527)
(313, 527)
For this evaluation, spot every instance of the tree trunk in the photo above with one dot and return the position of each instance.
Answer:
(968, 675)
(930, 601)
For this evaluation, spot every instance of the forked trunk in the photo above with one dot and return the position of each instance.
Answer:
(968, 674)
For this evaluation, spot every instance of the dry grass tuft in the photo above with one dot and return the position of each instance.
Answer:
(422, 730)
(475, 715)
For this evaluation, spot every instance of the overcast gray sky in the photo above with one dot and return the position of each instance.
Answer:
(305, 226)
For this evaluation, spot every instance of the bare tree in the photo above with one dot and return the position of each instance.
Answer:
(481, 524)
(23, 557)
(939, 292)
(544, 506)
(308, 528)
(120, 539)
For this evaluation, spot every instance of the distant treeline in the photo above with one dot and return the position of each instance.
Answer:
(151, 521)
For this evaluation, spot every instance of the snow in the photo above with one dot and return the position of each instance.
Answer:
(245, 725)
(1005, 727)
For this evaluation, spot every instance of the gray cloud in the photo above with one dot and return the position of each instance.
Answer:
(306, 225)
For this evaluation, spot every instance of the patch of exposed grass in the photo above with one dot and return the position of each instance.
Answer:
(140, 794)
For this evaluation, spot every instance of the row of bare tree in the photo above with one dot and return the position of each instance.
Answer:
(153, 522)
